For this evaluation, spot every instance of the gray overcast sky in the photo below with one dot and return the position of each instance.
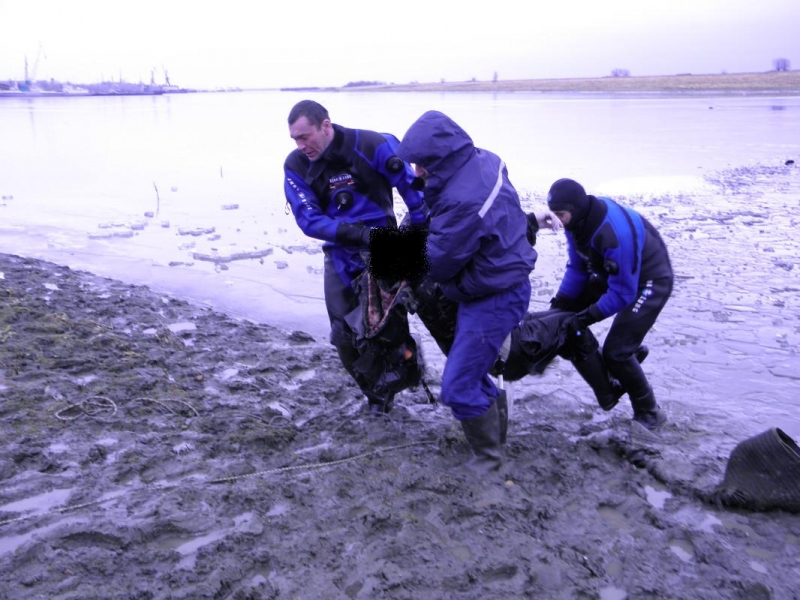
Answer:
(281, 43)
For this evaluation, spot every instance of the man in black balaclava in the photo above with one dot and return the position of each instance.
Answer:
(618, 266)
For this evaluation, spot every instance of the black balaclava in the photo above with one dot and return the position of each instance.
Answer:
(569, 195)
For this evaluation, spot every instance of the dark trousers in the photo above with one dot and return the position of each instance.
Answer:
(340, 300)
(631, 324)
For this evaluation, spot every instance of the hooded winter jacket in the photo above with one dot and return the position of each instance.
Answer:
(477, 242)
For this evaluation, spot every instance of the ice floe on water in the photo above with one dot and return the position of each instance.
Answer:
(679, 184)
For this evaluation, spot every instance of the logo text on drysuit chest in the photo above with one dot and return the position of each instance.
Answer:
(337, 181)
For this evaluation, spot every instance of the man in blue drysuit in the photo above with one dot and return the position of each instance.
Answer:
(338, 183)
(478, 252)
(618, 265)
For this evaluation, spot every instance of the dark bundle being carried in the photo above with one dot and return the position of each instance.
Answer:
(389, 358)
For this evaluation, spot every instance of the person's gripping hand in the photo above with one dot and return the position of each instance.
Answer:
(547, 219)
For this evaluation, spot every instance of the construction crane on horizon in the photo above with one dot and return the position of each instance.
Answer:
(30, 77)
(166, 76)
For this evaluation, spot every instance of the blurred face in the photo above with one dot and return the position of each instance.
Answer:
(421, 172)
(311, 141)
(564, 216)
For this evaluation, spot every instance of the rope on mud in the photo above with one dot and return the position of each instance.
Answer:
(100, 405)
(90, 407)
(167, 408)
(231, 479)
(64, 509)
(319, 465)
(268, 422)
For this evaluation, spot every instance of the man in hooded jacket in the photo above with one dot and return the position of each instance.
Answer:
(478, 252)
(618, 265)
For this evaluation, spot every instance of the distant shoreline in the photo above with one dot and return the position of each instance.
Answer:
(773, 82)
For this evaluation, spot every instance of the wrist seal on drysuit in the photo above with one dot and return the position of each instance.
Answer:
(366, 236)
(353, 234)
(593, 315)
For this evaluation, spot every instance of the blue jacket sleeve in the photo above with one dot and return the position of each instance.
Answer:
(310, 217)
(454, 241)
(576, 275)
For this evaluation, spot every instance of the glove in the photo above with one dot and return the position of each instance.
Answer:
(561, 302)
(580, 321)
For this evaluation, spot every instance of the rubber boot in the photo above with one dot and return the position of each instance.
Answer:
(606, 388)
(647, 411)
(645, 408)
(483, 435)
(502, 414)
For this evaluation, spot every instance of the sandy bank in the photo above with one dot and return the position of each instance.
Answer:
(773, 82)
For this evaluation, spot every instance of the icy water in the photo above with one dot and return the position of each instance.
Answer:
(184, 193)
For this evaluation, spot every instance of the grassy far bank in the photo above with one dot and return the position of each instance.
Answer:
(783, 82)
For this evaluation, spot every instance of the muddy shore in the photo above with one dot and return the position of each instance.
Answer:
(157, 449)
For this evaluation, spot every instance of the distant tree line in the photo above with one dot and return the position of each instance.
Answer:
(363, 83)
(782, 64)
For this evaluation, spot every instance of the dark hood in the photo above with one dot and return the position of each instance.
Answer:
(437, 143)
(584, 228)
(569, 195)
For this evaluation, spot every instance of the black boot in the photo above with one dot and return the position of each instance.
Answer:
(645, 408)
(647, 411)
(483, 435)
(606, 388)
(502, 414)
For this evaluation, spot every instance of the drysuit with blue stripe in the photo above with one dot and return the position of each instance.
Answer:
(477, 250)
(336, 199)
(617, 265)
